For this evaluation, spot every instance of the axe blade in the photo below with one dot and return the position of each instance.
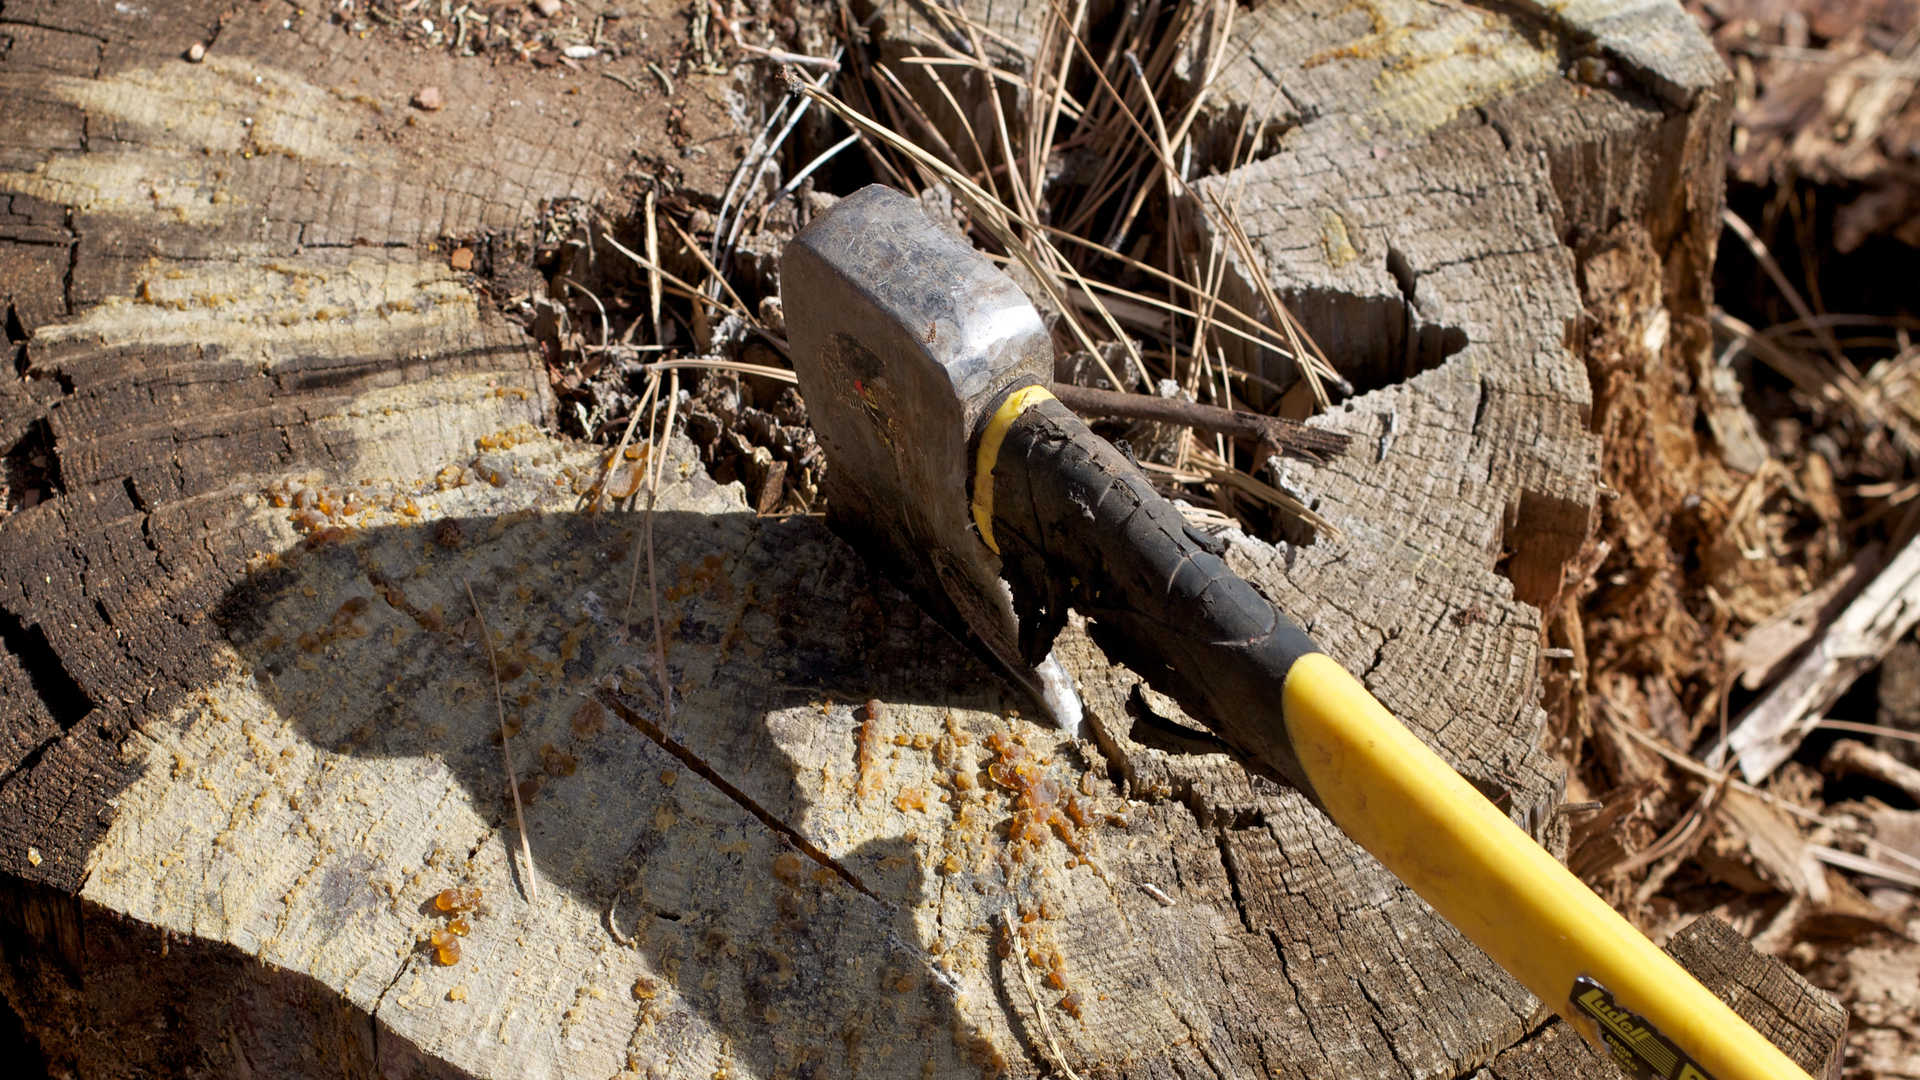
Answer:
(903, 337)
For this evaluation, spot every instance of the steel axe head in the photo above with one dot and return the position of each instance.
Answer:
(903, 338)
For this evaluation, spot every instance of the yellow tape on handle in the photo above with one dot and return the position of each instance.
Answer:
(990, 439)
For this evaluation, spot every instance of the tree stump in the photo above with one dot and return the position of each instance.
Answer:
(262, 439)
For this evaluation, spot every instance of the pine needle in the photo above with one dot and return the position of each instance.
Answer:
(1019, 960)
(506, 748)
(656, 441)
(1765, 258)
(653, 269)
(620, 448)
(713, 273)
(991, 214)
(686, 288)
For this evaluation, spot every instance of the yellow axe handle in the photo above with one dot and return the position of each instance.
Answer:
(1483, 874)
(1077, 525)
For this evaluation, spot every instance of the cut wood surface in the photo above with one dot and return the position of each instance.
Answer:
(247, 716)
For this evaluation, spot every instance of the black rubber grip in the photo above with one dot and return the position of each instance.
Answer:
(1079, 526)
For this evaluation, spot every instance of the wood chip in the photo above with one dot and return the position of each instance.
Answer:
(1884, 612)
(1761, 653)
(1776, 845)
(1853, 756)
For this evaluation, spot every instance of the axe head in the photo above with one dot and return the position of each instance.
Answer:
(904, 337)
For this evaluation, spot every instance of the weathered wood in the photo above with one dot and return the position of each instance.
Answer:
(245, 747)
(1886, 609)
(247, 280)
(1851, 756)
(1762, 653)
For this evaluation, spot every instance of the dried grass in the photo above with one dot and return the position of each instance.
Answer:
(1160, 308)
(506, 748)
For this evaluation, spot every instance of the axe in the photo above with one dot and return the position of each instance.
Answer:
(924, 370)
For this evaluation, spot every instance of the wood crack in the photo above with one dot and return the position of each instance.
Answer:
(1286, 976)
(1199, 1044)
(1374, 1014)
(73, 253)
(67, 703)
(28, 760)
(1499, 128)
(1404, 277)
(1233, 881)
(52, 29)
(1379, 654)
(1499, 253)
(323, 245)
(373, 1013)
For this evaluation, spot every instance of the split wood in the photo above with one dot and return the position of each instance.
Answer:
(1855, 641)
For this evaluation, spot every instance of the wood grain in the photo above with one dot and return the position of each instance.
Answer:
(244, 748)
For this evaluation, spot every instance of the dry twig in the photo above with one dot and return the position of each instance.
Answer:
(1288, 437)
